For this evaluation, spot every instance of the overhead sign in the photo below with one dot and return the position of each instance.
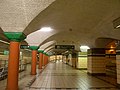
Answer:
(24, 46)
(64, 47)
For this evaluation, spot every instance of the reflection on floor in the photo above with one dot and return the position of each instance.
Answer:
(108, 79)
(24, 79)
(59, 76)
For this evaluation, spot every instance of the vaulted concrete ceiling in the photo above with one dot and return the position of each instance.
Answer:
(47, 45)
(80, 22)
(76, 22)
(15, 15)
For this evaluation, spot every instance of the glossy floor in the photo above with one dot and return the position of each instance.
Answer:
(59, 76)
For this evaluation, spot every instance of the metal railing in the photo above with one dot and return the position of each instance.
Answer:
(3, 73)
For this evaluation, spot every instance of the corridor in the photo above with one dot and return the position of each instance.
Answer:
(60, 76)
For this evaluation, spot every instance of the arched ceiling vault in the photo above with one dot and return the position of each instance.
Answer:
(49, 48)
(75, 22)
(47, 45)
(15, 15)
(36, 38)
(78, 22)
(103, 42)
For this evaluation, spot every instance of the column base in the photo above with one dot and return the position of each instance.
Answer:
(39, 67)
(12, 89)
(33, 73)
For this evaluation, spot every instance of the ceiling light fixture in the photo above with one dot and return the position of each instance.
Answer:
(46, 29)
(84, 48)
(118, 26)
(116, 23)
(4, 42)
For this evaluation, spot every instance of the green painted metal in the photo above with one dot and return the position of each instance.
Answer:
(15, 36)
(6, 52)
(45, 53)
(34, 47)
(40, 51)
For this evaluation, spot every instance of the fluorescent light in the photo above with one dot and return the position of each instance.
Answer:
(116, 23)
(118, 26)
(46, 29)
(4, 42)
(84, 48)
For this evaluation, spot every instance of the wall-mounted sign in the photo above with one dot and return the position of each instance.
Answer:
(6, 52)
(24, 46)
(64, 47)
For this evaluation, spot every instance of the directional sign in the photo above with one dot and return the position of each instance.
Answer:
(64, 47)
(24, 46)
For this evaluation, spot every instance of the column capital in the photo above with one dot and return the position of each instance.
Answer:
(40, 51)
(34, 47)
(15, 36)
(45, 53)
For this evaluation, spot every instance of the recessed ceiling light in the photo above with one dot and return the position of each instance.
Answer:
(118, 26)
(84, 48)
(116, 23)
(46, 29)
(4, 42)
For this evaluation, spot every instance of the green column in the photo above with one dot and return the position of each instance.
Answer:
(15, 36)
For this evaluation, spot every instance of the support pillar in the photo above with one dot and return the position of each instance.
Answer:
(96, 61)
(118, 66)
(43, 59)
(74, 59)
(46, 61)
(13, 64)
(40, 58)
(67, 60)
(34, 59)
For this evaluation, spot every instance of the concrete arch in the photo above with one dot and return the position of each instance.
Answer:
(47, 45)
(101, 42)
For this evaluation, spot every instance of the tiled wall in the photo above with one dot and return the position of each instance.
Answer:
(4, 57)
(96, 64)
(74, 62)
(72, 59)
(96, 61)
(27, 59)
(82, 63)
(118, 66)
(111, 65)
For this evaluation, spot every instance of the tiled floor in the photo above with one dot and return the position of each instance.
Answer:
(25, 79)
(59, 76)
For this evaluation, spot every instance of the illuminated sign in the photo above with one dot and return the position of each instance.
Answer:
(24, 46)
(64, 47)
